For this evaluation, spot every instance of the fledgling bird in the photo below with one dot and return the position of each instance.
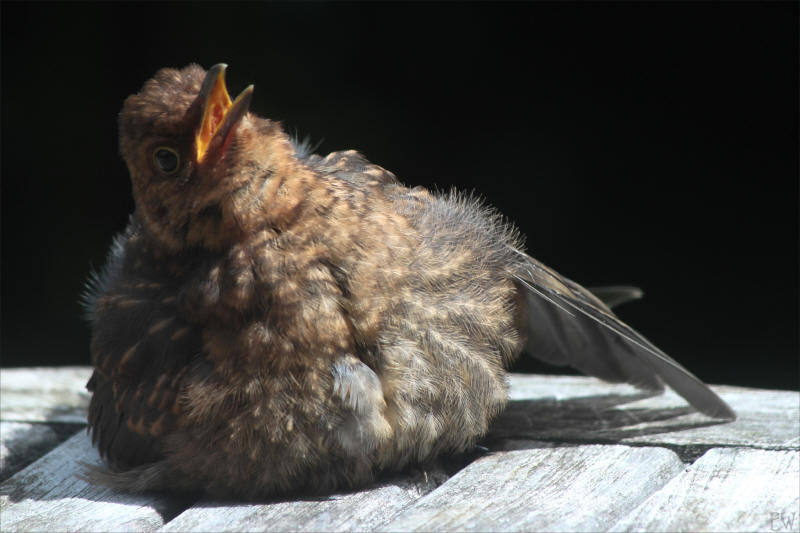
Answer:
(273, 321)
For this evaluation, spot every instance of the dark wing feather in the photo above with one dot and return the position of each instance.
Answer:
(122, 445)
(568, 325)
(141, 350)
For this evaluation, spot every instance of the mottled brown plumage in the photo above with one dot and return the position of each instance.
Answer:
(273, 321)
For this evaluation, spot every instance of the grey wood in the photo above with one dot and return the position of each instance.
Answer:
(580, 409)
(39, 409)
(50, 495)
(727, 489)
(21, 443)
(44, 394)
(364, 510)
(581, 488)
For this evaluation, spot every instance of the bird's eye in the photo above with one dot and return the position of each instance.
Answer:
(166, 159)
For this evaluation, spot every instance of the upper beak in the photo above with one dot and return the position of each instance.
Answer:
(220, 115)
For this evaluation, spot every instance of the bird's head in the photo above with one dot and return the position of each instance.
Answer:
(193, 154)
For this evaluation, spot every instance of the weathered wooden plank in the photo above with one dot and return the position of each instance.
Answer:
(21, 443)
(49, 495)
(364, 510)
(727, 489)
(582, 488)
(44, 394)
(585, 410)
(39, 409)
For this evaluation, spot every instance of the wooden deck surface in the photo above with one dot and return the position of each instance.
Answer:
(568, 454)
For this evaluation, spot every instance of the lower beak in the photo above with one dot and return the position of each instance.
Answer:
(220, 115)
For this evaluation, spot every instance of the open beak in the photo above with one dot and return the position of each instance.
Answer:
(220, 115)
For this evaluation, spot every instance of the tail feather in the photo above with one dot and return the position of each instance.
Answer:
(140, 479)
(616, 295)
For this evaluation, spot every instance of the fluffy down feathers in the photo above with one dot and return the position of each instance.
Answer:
(273, 322)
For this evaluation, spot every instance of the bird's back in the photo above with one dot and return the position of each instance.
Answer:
(434, 308)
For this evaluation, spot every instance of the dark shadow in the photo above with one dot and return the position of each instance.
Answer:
(27, 445)
(589, 420)
(423, 478)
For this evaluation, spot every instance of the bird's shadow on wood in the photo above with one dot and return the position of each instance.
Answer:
(420, 479)
(590, 420)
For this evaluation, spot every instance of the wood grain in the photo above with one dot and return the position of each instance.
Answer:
(728, 489)
(50, 495)
(45, 394)
(563, 489)
(364, 510)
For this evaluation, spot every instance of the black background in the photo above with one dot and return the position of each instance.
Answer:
(652, 144)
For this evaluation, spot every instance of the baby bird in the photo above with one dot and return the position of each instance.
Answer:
(273, 322)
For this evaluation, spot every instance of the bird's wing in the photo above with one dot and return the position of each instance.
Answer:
(121, 424)
(141, 351)
(568, 325)
(359, 391)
